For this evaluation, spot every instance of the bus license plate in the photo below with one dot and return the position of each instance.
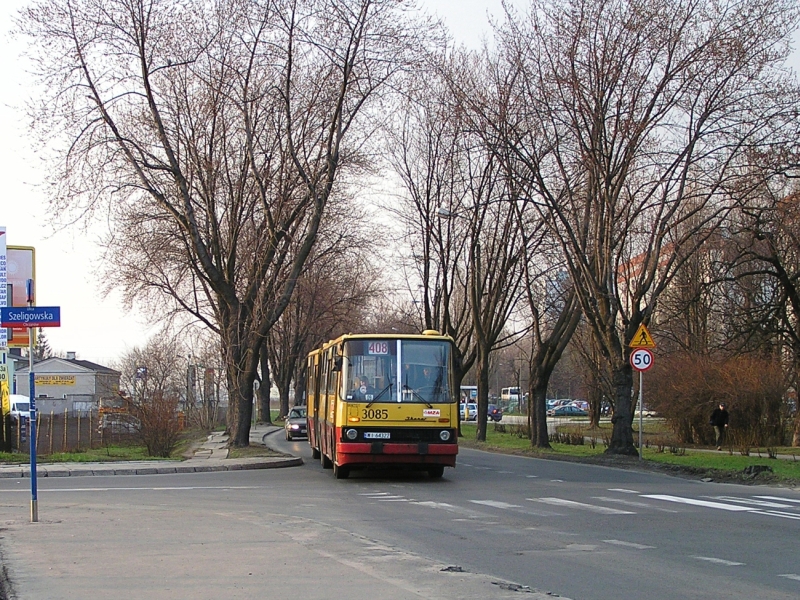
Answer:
(376, 435)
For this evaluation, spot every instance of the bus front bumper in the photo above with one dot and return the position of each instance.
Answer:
(396, 453)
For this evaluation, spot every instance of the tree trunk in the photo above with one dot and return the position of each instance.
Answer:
(537, 408)
(264, 413)
(622, 434)
(482, 368)
(241, 363)
(595, 394)
(240, 408)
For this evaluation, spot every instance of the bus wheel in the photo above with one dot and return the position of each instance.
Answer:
(326, 462)
(436, 471)
(341, 472)
(315, 453)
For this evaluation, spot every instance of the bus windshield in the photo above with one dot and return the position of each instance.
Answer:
(372, 368)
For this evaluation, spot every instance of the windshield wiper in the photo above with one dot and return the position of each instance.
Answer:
(414, 393)
(381, 393)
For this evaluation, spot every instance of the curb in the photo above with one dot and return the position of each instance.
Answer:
(116, 469)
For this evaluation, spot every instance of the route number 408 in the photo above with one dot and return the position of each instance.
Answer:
(641, 359)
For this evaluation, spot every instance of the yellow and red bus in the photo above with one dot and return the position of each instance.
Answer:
(377, 399)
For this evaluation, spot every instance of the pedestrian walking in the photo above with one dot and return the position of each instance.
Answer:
(719, 420)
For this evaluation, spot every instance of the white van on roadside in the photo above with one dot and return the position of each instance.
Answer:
(19, 406)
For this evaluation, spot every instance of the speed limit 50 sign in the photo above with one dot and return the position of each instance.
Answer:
(641, 359)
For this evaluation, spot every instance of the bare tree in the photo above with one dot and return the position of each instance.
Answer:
(631, 118)
(214, 135)
(331, 298)
(427, 152)
(768, 264)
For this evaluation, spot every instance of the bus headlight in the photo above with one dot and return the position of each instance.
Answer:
(351, 434)
(444, 435)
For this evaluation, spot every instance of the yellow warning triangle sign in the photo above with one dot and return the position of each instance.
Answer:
(642, 339)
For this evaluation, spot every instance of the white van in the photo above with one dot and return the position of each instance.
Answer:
(20, 406)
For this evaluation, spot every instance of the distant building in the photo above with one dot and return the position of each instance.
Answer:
(68, 384)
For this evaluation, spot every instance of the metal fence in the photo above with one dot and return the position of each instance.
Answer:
(66, 432)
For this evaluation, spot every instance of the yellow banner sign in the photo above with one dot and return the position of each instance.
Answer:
(6, 400)
(55, 379)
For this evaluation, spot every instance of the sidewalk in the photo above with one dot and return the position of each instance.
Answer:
(211, 456)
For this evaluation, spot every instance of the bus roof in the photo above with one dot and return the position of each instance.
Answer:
(428, 334)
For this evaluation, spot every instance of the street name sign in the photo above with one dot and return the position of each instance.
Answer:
(30, 316)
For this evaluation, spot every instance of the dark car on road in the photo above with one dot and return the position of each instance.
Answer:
(494, 412)
(567, 411)
(296, 423)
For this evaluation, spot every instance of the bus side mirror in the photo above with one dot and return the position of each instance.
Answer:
(337, 364)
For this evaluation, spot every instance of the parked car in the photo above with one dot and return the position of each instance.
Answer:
(469, 412)
(495, 413)
(296, 423)
(566, 410)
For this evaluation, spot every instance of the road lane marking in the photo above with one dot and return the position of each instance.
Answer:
(623, 491)
(695, 502)
(779, 499)
(761, 503)
(581, 506)
(145, 489)
(632, 503)
(719, 561)
(629, 544)
(532, 476)
(495, 504)
(557, 480)
(431, 504)
(790, 576)
(777, 513)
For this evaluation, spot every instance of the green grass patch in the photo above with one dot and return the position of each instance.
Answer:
(719, 464)
(788, 469)
(108, 454)
(252, 451)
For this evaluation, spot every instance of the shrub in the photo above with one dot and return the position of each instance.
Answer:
(685, 390)
(157, 422)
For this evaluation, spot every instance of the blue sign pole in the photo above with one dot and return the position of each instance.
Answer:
(32, 434)
(32, 419)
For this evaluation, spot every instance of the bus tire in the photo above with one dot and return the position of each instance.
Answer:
(326, 462)
(341, 472)
(435, 471)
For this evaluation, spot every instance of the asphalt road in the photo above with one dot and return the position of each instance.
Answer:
(579, 531)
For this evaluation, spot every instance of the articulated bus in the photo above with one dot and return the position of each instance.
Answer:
(383, 400)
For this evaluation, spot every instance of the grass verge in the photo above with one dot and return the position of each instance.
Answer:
(696, 463)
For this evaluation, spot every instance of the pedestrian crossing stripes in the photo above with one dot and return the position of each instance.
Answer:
(605, 510)
(697, 502)
(771, 506)
(629, 544)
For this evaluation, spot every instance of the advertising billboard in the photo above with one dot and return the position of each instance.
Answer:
(20, 266)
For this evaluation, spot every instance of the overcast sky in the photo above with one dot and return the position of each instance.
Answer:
(98, 329)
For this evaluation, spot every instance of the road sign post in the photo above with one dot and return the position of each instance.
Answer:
(641, 360)
(31, 317)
